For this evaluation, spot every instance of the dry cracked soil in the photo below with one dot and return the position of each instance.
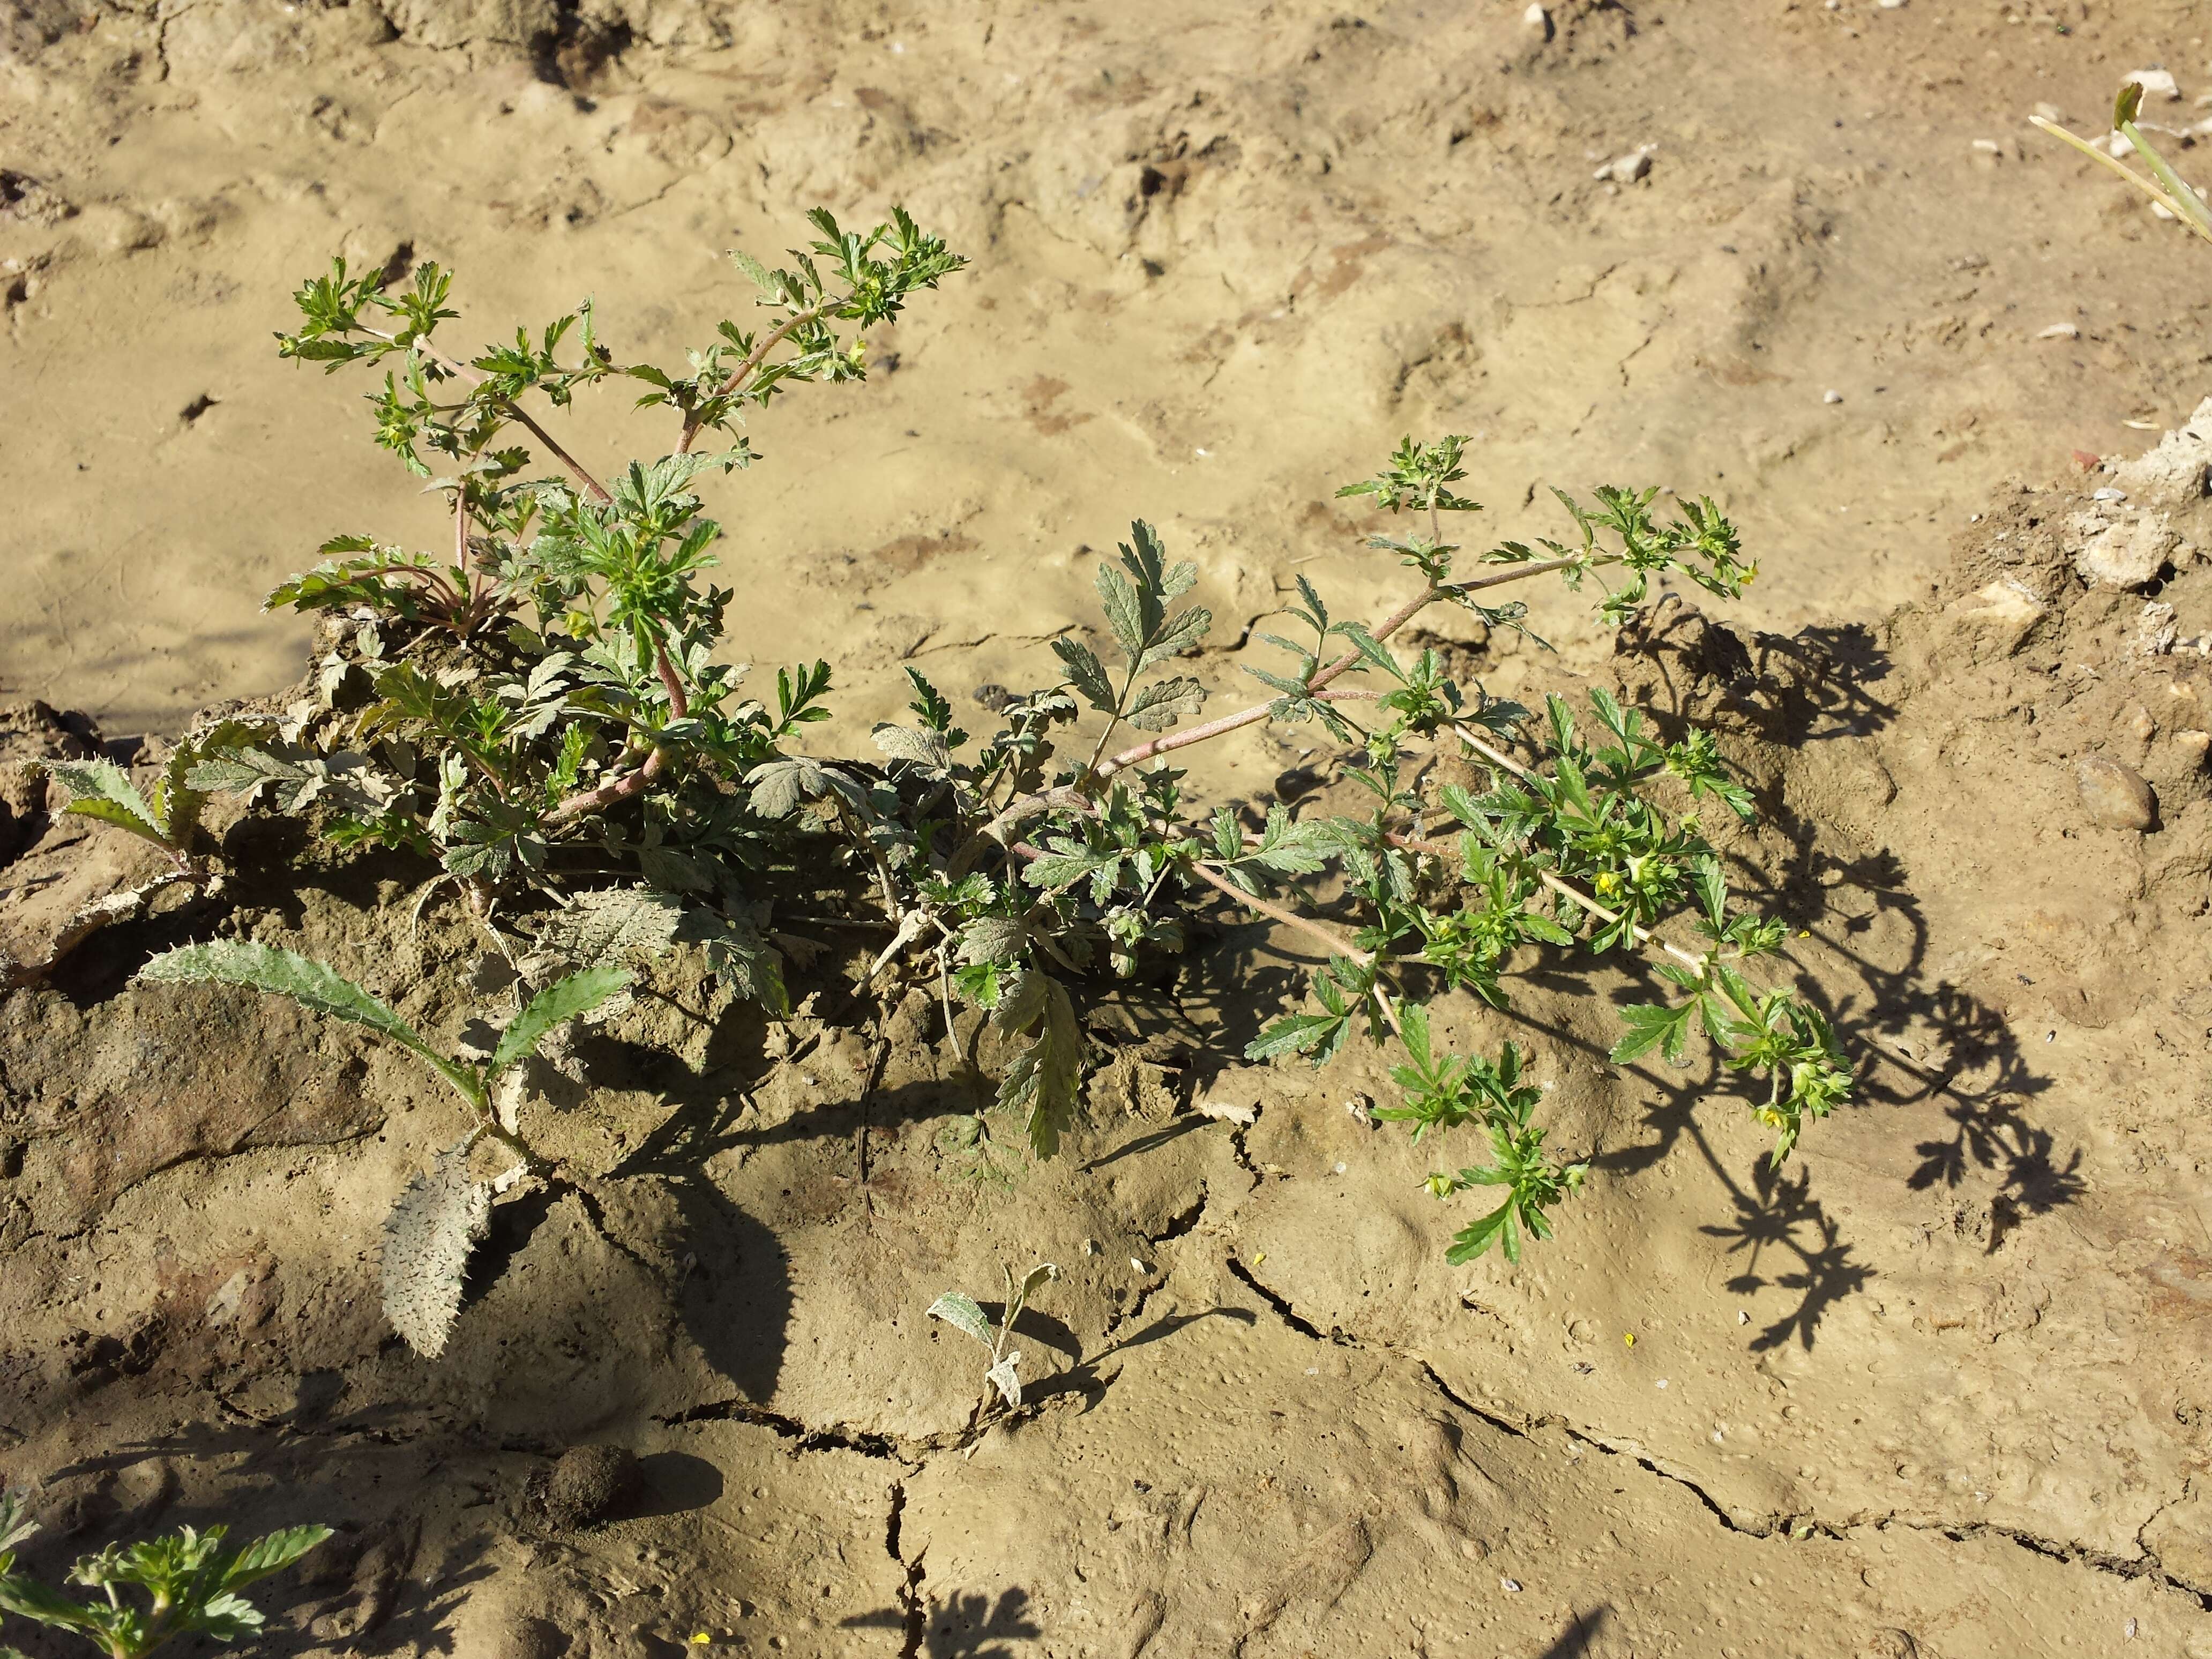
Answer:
(1941, 1386)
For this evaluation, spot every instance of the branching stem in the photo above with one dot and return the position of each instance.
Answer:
(1337, 944)
(743, 371)
(1350, 660)
(461, 371)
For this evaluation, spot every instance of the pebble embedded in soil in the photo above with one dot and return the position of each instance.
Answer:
(2121, 551)
(2156, 83)
(2114, 795)
(589, 1485)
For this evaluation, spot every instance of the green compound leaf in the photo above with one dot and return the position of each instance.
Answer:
(1652, 1026)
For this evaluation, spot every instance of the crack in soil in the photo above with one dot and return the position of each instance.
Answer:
(2148, 1566)
(1178, 1226)
(911, 1600)
(836, 1437)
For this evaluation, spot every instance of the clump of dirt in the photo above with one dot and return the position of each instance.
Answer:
(588, 1485)
(1939, 1385)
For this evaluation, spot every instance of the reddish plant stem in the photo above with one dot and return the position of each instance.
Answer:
(620, 789)
(1338, 945)
(738, 375)
(592, 486)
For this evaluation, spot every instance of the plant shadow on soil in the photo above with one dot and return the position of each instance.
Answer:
(967, 1624)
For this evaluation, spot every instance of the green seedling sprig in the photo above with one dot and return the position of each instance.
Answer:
(189, 1580)
(2164, 187)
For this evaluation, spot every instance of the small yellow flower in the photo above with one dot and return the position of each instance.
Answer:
(1628, 1339)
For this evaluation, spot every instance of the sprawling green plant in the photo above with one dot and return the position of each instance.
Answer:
(190, 1580)
(548, 708)
(1562, 850)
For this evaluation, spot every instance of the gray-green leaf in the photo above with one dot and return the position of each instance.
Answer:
(927, 750)
(1006, 1378)
(962, 1313)
(1157, 706)
(428, 1239)
(1085, 673)
(992, 939)
(611, 924)
(311, 984)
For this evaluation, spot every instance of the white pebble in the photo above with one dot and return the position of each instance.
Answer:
(1989, 146)
(1832, 396)
(1536, 18)
(2060, 332)
(1341, 1168)
(1663, 1381)
(1513, 1584)
(1626, 169)
(2156, 83)
(2108, 494)
(1892, 5)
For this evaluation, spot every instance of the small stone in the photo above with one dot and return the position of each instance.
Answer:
(1989, 146)
(2060, 332)
(1832, 396)
(2123, 553)
(2114, 795)
(2177, 471)
(589, 1485)
(2155, 630)
(2108, 494)
(1626, 169)
(1538, 19)
(2194, 746)
(2156, 83)
(2051, 113)
(1892, 5)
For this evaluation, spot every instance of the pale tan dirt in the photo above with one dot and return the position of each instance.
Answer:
(1941, 1388)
